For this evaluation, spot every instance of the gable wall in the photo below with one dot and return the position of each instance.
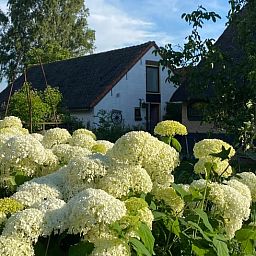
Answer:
(126, 94)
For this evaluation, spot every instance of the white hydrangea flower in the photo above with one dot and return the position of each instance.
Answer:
(206, 147)
(140, 148)
(170, 197)
(14, 131)
(54, 180)
(222, 168)
(91, 207)
(242, 188)
(19, 148)
(51, 160)
(56, 214)
(14, 246)
(102, 146)
(84, 131)
(82, 140)
(233, 206)
(23, 153)
(27, 224)
(37, 136)
(55, 136)
(83, 172)
(123, 179)
(249, 179)
(31, 192)
(10, 121)
(115, 247)
(199, 184)
(65, 152)
(100, 232)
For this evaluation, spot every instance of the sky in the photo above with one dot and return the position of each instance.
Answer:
(121, 23)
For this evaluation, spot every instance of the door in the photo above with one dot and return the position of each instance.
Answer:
(154, 116)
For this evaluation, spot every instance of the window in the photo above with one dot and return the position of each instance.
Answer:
(152, 79)
(195, 111)
(137, 114)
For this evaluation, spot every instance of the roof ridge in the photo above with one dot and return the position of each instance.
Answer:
(98, 53)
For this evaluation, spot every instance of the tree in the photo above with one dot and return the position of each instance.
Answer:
(37, 106)
(43, 31)
(229, 74)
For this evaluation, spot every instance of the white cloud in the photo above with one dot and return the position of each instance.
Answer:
(117, 28)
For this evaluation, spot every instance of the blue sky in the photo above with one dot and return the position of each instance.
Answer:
(120, 23)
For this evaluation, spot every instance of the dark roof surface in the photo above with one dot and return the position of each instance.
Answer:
(84, 81)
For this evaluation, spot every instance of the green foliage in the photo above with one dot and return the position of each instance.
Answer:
(44, 105)
(229, 74)
(107, 130)
(43, 31)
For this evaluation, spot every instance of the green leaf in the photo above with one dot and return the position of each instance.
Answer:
(182, 192)
(248, 247)
(139, 247)
(221, 247)
(146, 237)
(83, 248)
(223, 154)
(159, 215)
(199, 251)
(204, 217)
(21, 178)
(245, 234)
(196, 226)
(176, 227)
(175, 143)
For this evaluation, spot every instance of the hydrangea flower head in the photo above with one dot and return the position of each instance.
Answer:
(122, 179)
(82, 140)
(85, 132)
(11, 121)
(15, 246)
(31, 192)
(170, 128)
(102, 146)
(206, 147)
(114, 247)
(27, 224)
(91, 207)
(10, 205)
(249, 179)
(55, 136)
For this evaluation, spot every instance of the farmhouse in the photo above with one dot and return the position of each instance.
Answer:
(127, 83)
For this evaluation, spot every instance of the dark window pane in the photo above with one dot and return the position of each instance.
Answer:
(152, 79)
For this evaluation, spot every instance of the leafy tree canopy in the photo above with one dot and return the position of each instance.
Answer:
(42, 31)
(43, 106)
(227, 70)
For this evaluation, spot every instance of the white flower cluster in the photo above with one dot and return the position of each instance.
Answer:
(124, 179)
(55, 136)
(249, 179)
(31, 192)
(102, 146)
(15, 246)
(82, 140)
(23, 153)
(85, 132)
(232, 201)
(204, 149)
(140, 148)
(82, 173)
(10, 121)
(66, 152)
(91, 207)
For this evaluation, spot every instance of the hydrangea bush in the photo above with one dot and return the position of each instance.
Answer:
(121, 199)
